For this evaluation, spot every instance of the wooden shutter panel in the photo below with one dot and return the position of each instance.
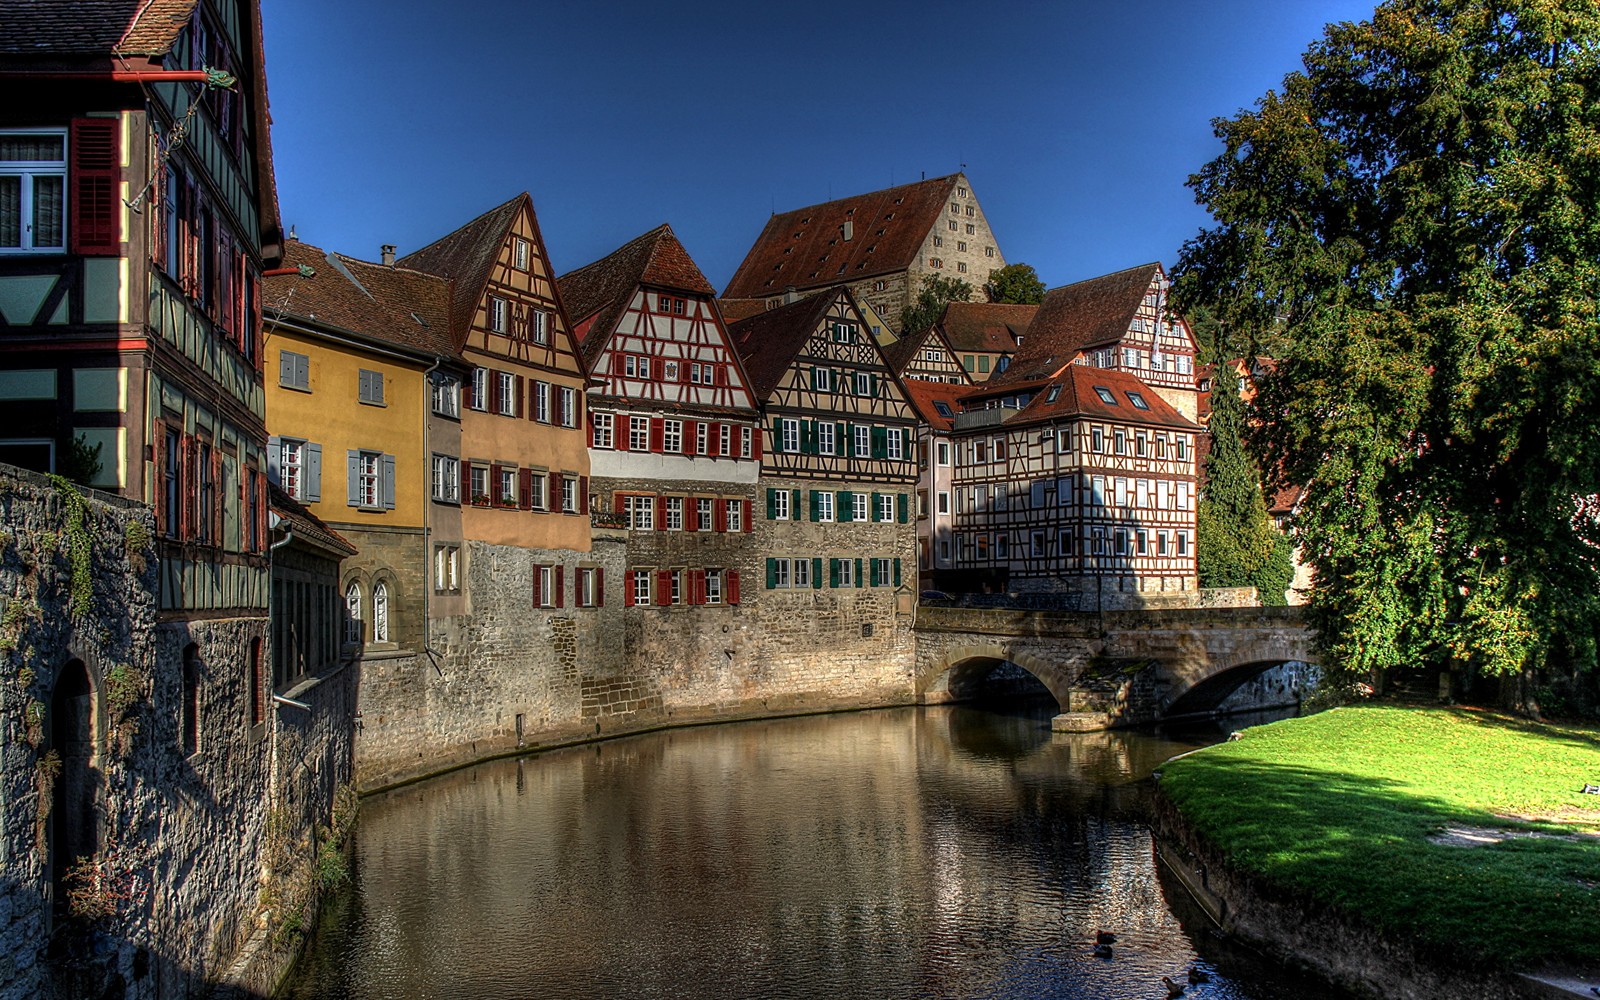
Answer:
(553, 500)
(274, 461)
(661, 513)
(732, 586)
(833, 573)
(188, 468)
(697, 586)
(772, 573)
(311, 473)
(816, 572)
(285, 368)
(860, 582)
(816, 505)
(519, 404)
(902, 507)
(714, 439)
(158, 491)
(538, 586)
(495, 499)
(621, 427)
(844, 507)
(691, 514)
(772, 504)
(897, 572)
(583, 494)
(352, 478)
(561, 586)
(663, 587)
(756, 439)
(749, 519)
(599, 586)
(388, 482)
(494, 391)
(524, 488)
(94, 226)
(627, 588)
(466, 482)
(719, 515)
(657, 434)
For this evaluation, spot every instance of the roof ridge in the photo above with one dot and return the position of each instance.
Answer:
(947, 178)
(481, 216)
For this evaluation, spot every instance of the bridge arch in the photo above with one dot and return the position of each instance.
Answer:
(957, 674)
(1201, 685)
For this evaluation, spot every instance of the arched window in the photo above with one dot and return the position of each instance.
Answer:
(380, 613)
(352, 613)
(189, 723)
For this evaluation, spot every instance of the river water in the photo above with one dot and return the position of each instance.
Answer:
(933, 852)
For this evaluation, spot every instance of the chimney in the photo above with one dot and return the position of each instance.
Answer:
(789, 295)
(388, 255)
(849, 229)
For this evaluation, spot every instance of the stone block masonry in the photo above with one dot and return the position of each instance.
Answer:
(137, 765)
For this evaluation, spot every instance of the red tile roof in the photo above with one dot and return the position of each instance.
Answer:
(604, 288)
(394, 306)
(92, 27)
(985, 327)
(467, 256)
(769, 341)
(806, 248)
(733, 310)
(1078, 397)
(1079, 316)
(925, 395)
(306, 526)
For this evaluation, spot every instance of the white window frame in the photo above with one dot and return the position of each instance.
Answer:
(505, 491)
(672, 512)
(789, 435)
(704, 514)
(638, 433)
(644, 587)
(538, 485)
(541, 402)
(28, 172)
(519, 253)
(567, 406)
(800, 573)
(860, 506)
(733, 517)
(446, 479)
(825, 437)
(781, 505)
(447, 396)
(369, 479)
(508, 393)
(600, 436)
(824, 500)
(672, 437)
(746, 442)
(713, 589)
(885, 508)
(861, 440)
(847, 572)
(640, 511)
(291, 466)
(480, 389)
(569, 494)
(894, 443)
(499, 314)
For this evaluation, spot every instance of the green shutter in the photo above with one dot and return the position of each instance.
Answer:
(897, 572)
(816, 505)
(843, 508)
(901, 507)
(833, 573)
(880, 442)
(772, 504)
(794, 505)
(772, 573)
(816, 572)
(859, 581)
(872, 384)
(808, 437)
(875, 573)
(816, 374)
(872, 515)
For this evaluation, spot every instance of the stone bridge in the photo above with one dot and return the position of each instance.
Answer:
(1113, 668)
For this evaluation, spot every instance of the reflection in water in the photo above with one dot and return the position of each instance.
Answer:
(929, 853)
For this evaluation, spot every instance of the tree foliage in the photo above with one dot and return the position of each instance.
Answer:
(1411, 228)
(1236, 543)
(1017, 283)
(933, 295)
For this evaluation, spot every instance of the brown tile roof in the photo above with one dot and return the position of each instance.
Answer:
(901, 352)
(393, 306)
(985, 327)
(1091, 313)
(306, 526)
(605, 287)
(467, 256)
(806, 249)
(92, 27)
(734, 310)
(926, 395)
(1078, 397)
(769, 341)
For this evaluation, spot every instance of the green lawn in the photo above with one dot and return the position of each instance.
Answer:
(1338, 807)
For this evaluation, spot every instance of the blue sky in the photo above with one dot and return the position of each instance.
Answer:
(1078, 122)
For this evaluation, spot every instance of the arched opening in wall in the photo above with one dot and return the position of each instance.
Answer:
(380, 612)
(994, 681)
(1264, 685)
(189, 707)
(73, 833)
(353, 631)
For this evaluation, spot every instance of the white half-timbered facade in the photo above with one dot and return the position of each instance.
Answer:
(927, 356)
(1081, 483)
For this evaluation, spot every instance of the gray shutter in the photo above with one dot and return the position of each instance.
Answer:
(285, 368)
(388, 482)
(311, 475)
(353, 477)
(302, 371)
(274, 460)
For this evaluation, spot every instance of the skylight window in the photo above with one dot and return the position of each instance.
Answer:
(1105, 395)
(943, 408)
(1053, 395)
(1138, 400)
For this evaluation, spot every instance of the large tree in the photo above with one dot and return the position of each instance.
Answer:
(1411, 228)
(933, 295)
(1016, 283)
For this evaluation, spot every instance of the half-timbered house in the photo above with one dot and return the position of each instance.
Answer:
(674, 437)
(1119, 321)
(927, 356)
(881, 245)
(937, 403)
(1081, 483)
(984, 335)
(834, 504)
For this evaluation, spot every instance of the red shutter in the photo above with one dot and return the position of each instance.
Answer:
(661, 513)
(627, 588)
(188, 467)
(561, 586)
(720, 516)
(588, 425)
(691, 514)
(466, 483)
(553, 501)
(663, 587)
(733, 586)
(218, 501)
(255, 348)
(657, 434)
(583, 494)
(525, 488)
(697, 586)
(749, 518)
(618, 504)
(619, 431)
(616, 364)
(261, 512)
(757, 434)
(538, 586)
(577, 408)
(518, 405)
(691, 435)
(494, 486)
(599, 586)
(95, 167)
(494, 391)
(713, 440)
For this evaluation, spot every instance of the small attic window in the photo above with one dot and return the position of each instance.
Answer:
(805, 220)
(882, 231)
(1137, 400)
(850, 211)
(1105, 395)
(788, 249)
(886, 218)
(899, 200)
(833, 243)
(1053, 395)
(943, 408)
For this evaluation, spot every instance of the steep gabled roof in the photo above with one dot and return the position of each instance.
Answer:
(806, 247)
(604, 288)
(900, 353)
(92, 27)
(985, 327)
(1079, 397)
(1076, 317)
(393, 306)
(467, 256)
(734, 310)
(768, 342)
(926, 396)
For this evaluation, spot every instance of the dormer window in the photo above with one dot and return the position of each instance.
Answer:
(1137, 400)
(1053, 395)
(1105, 395)
(944, 409)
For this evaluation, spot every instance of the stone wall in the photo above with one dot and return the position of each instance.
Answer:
(130, 745)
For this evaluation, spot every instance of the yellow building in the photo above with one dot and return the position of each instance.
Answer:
(363, 407)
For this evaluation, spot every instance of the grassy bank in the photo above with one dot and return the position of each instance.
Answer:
(1346, 808)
